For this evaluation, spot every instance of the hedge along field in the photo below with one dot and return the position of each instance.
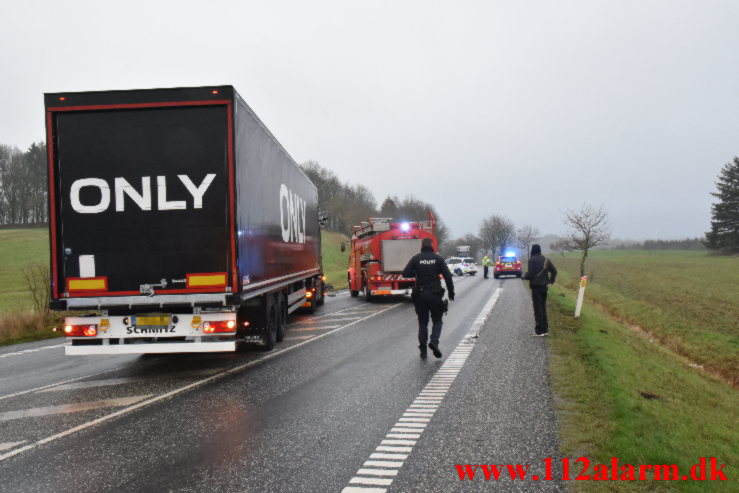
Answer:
(687, 300)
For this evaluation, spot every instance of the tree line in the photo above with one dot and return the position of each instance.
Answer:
(684, 244)
(345, 205)
(23, 187)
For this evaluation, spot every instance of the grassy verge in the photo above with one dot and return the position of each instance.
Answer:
(686, 300)
(335, 262)
(619, 395)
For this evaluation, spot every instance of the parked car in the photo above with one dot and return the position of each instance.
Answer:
(462, 265)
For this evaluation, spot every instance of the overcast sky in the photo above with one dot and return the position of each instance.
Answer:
(520, 108)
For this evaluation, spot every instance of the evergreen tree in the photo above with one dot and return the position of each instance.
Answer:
(724, 234)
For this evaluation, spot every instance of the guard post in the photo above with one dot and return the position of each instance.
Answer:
(580, 295)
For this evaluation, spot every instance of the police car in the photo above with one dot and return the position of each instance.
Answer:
(462, 265)
(507, 265)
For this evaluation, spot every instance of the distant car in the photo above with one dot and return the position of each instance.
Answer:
(507, 266)
(462, 265)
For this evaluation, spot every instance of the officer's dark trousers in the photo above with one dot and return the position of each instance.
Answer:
(426, 303)
(485, 271)
(539, 297)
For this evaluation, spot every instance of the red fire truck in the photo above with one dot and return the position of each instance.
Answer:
(380, 249)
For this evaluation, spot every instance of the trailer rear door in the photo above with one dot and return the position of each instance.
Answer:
(140, 195)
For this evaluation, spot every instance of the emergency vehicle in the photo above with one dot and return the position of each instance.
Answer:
(507, 265)
(380, 250)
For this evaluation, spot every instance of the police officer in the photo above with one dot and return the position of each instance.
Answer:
(428, 293)
(486, 262)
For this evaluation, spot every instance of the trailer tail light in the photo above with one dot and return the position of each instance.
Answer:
(214, 91)
(375, 278)
(219, 326)
(309, 294)
(87, 330)
(196, 321)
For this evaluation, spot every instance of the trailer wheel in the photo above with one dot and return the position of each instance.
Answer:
(269, 314)
(281, 318)
(354, 293)
(319, 293)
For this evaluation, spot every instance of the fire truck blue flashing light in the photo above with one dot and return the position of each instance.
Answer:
(405, 226)
(510, 254)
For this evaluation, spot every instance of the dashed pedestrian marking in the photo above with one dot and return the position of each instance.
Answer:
(384, 464)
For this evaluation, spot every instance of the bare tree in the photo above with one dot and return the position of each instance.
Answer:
(497, 233)
(525, 236)
(561, 246)
(37, 281)
(587, 228)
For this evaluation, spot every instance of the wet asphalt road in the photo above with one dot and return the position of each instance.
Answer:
(320, 413)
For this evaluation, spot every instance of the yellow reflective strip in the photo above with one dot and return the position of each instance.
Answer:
(82, 284)
(209, 280)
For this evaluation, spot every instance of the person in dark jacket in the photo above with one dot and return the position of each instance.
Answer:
(541, 274)
(428, 293)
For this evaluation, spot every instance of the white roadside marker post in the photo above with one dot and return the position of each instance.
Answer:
(580, 295)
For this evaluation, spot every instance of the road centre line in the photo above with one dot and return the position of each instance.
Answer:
(187, 387)
(418, 414)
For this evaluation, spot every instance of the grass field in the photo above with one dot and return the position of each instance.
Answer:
(335, 262)
(19, 247)
(688, 301)
(618, 395)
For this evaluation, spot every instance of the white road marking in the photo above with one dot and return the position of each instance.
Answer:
(313, 328)
(26, 351)
(193, 385)
(378, 472)
(10, 445)
(373, 481)
(378, 455)
(126, 380)
(358, 489)
(37, 389)
(420, 412)
(382, 463)
(72, 408)
(299, 338)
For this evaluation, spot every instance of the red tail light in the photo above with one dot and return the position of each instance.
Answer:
(219, 326)
(87, 330)
(309, 294)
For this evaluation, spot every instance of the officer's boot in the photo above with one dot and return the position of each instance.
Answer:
(422, 347)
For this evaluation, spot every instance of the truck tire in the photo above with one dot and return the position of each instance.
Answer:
(269, 318)
(281, 318)
(367, 295)
(320, 296)
(354, 293)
